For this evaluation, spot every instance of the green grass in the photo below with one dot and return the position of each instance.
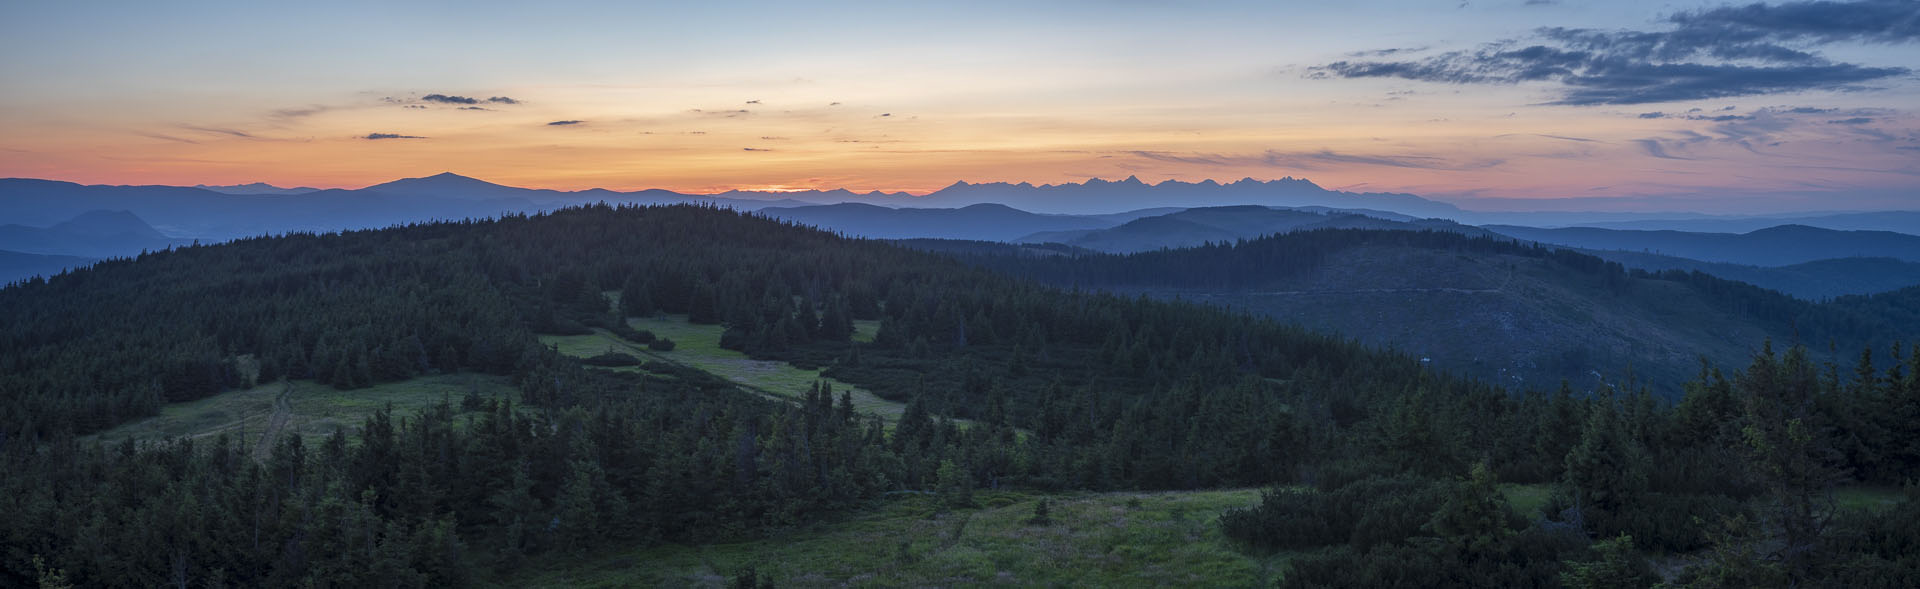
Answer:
(864, 329)
(1868, 498)
(311, 409)
(1096, 540)
(1527, 500)
(698, 346)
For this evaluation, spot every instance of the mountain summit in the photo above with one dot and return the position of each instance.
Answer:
(449, 185)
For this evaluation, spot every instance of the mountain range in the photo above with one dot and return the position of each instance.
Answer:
(1824, 261)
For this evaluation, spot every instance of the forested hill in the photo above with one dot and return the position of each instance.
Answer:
(1111, 392)
(1487, 306)
(1063, 391)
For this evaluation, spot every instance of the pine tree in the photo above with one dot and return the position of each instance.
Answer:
(1607, 471)
(1787, 442)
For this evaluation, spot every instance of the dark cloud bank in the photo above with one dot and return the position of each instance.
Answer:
(1717, 53)
(448, 99)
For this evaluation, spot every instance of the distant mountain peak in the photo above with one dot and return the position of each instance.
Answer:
(447, 185)
(252, 188)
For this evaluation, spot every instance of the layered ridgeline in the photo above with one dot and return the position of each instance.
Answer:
(1060, 391)
(1519, 314)
(1805, 262)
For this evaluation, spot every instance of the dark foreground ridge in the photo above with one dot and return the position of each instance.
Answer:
(1063, 392)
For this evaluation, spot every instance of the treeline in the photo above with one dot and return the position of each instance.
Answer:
(1743, 469)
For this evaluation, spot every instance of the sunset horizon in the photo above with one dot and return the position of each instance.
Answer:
(1519, 102)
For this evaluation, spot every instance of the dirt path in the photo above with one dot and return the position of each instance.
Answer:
(276, 423)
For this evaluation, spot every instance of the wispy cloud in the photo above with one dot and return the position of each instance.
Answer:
(300, 112)
(164, 137)
(220, 131)
(1657, 148)
(377, 136)
(564, 123)
(1722, 52)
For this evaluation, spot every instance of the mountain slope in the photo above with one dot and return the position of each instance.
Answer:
(1197, 226)
(1819, 279)
(1907, 222)
(213, 216)
(1486, 307)
(17, 266)
(94, 234)
(1773, 246)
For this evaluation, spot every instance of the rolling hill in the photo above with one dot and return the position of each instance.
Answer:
(17, 266)
(1773, 246)
(1197, 226)
(93, 234)
(1816, 280)
(1517, 314)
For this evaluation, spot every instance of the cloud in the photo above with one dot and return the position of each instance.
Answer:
(474, 108)
(754, 149)
(1653, 115)
(1718, 53)
(502, 100)
(220, 131)
(1656, 148)
(564, 123)
(164, 137)
(295, 113)
(445, 99)
(1385, 52)
(377, 136)
(1568, 138)
(1852, 121)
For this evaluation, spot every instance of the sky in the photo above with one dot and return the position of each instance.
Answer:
(1509, 105)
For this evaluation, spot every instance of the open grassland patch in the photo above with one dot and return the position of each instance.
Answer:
(698, 346)
(1169, 539)
(302, 407)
